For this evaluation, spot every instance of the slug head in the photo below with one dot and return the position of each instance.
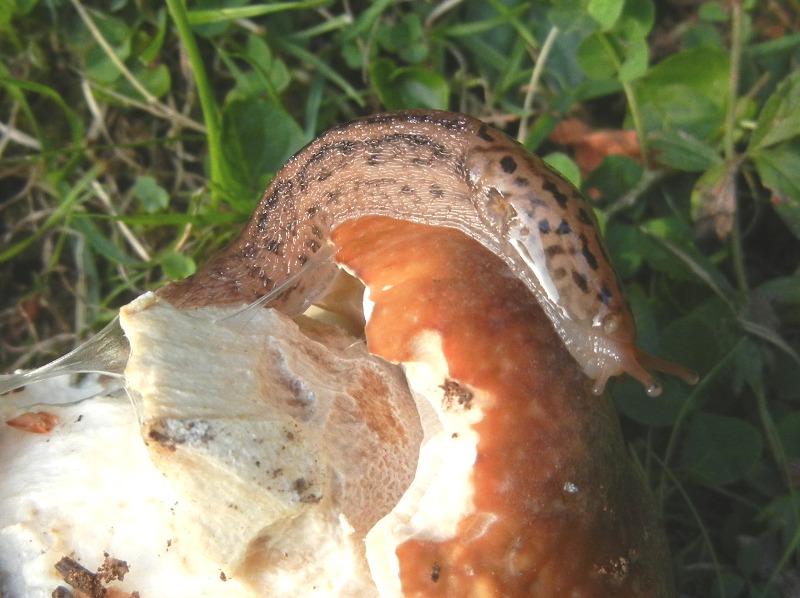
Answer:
(608, 348)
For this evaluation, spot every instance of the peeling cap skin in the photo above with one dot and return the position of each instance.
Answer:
(556, 507)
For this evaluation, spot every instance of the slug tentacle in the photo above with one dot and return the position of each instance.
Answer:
(442, 169)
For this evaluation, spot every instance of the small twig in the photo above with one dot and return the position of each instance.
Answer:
(112, 56)
(439, 10)
(737, 252)
(533, 85)
(9, 133)
(98, 126)
(135, 244)
(156, 110)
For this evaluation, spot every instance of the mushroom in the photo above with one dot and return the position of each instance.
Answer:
(357, 398)
(501, 473)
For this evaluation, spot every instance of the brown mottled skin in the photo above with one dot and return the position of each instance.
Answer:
(443, 169)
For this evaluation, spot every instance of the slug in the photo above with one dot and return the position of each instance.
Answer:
(442, 169)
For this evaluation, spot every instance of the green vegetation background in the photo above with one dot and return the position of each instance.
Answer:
(136, 137)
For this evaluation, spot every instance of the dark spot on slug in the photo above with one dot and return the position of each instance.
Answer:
(602, 246)
(436, 191)
(581, 280)
(508, 164)
(521, 181)
(553, 250)
(587, 254)
(435, 573)
(271, 201)
(345, 147)
(333, 196)
(302, 181)
(484, 134)
(313, 245)
(275, 246)
(302, 259)
(558, 274)
(415, 140)
(460, 166)
(406, 190)
(325, 174)
(311, 211)
(584, 217)
(535, 201)
(318, 155)
(563, 228)
(604, 296)
(553, 189)
(544, 226)
(316, 231)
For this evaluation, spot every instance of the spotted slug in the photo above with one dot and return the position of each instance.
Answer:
(443, 169)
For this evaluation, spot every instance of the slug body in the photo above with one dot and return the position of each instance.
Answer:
(442, 169)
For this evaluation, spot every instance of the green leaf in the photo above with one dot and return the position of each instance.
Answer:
(615, 176)
(660, 257)
(605, 12)
(406, 39)
(780, 118)
(257, 139)
(682, 92)
(681, 151)
(636, 20)
(176, 265)
(593, 58)
(154, 46)
(7, 11)
(408, 87)
(664, 412)
(720, 450)
(258, 52)
(635, 64)
(152, 197)
(625, 245)
(566, 166)
(99, 66)
(782, 290)
(789, 433)
(713, 12)
(779, 169)
(748, 365)
(669, 248)
(157, 80)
